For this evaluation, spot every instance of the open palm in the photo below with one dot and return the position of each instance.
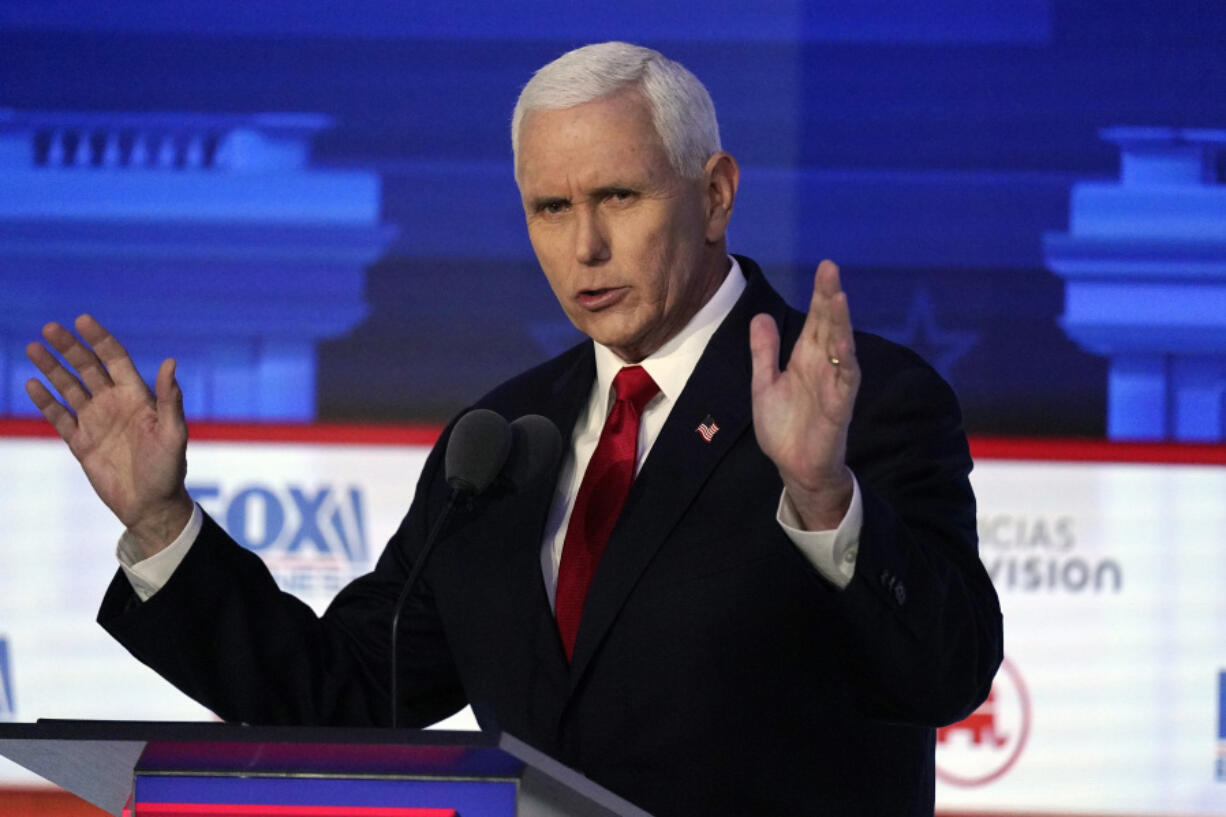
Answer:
(131, 443)
(801, 413)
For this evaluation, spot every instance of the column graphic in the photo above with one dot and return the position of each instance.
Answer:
(1144, 266)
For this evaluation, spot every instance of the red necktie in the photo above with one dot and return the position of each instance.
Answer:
(601, 496)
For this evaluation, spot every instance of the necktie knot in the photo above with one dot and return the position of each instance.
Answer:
(635, 386)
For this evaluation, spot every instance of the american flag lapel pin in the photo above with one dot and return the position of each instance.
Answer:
(707, 428)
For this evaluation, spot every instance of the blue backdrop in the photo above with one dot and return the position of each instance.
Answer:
(365, 257)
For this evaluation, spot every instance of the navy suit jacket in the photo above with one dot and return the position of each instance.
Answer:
(715, 671)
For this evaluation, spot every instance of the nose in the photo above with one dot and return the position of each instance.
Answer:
(591, 241)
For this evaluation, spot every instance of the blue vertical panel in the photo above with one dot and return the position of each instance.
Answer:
(8, 706)
(1138, 397)
(285, 371)
(1199, 385)
(1221, 705)
(12, 394)
(235, 384)
(1221, 725)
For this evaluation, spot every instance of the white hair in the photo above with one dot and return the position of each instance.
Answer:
(681, 108)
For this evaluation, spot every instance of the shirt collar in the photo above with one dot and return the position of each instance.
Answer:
(672, 364)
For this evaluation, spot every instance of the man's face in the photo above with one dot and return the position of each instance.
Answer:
(622, 238)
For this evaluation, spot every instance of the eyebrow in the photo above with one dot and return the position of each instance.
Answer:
(610, 189)
(541, 202)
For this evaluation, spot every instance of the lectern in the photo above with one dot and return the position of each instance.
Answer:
(146, 769)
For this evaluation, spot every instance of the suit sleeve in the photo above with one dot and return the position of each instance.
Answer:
(922, 619)
(222, 632)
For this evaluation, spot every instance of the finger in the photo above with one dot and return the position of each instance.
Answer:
(65, 383)
(764, 351)
(826, 285)
(88, 367)
(169, 397)
(108, 348)
(57, 415)
(828, 279)
(836, 336)
(840, 339)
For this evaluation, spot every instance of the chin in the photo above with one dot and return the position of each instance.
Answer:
(609, 337)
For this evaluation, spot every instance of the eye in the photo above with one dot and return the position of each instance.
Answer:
(552, 207)
(619, 196)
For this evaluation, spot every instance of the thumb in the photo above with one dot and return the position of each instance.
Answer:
(764, 351)
(169, 396)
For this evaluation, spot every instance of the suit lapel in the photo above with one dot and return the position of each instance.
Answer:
(531, 620)
(679, 464)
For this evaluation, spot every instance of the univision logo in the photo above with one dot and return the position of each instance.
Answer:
(8, 709)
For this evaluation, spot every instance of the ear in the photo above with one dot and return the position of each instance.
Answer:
(722, 176)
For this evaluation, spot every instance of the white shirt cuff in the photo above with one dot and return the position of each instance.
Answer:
(832, 552)
(149, 575)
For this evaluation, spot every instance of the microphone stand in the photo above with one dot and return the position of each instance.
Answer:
(523, 450)
(452, 502)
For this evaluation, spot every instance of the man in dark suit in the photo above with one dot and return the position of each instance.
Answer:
(777, 607)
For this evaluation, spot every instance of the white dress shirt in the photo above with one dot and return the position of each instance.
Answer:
(832, 553)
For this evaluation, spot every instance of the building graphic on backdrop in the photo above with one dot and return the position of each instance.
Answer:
(1144, 266)
(209, 238)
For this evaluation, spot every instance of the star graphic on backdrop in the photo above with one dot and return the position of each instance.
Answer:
(942, 348)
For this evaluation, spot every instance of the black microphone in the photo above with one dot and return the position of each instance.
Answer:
(482, 448)
(536, 447)
(479, 446)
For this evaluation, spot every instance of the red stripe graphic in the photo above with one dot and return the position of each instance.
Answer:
(987, 448)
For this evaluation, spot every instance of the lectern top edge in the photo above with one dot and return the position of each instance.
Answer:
(52, 728)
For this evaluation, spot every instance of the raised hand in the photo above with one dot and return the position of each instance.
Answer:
(131, 444)
(801, 414)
